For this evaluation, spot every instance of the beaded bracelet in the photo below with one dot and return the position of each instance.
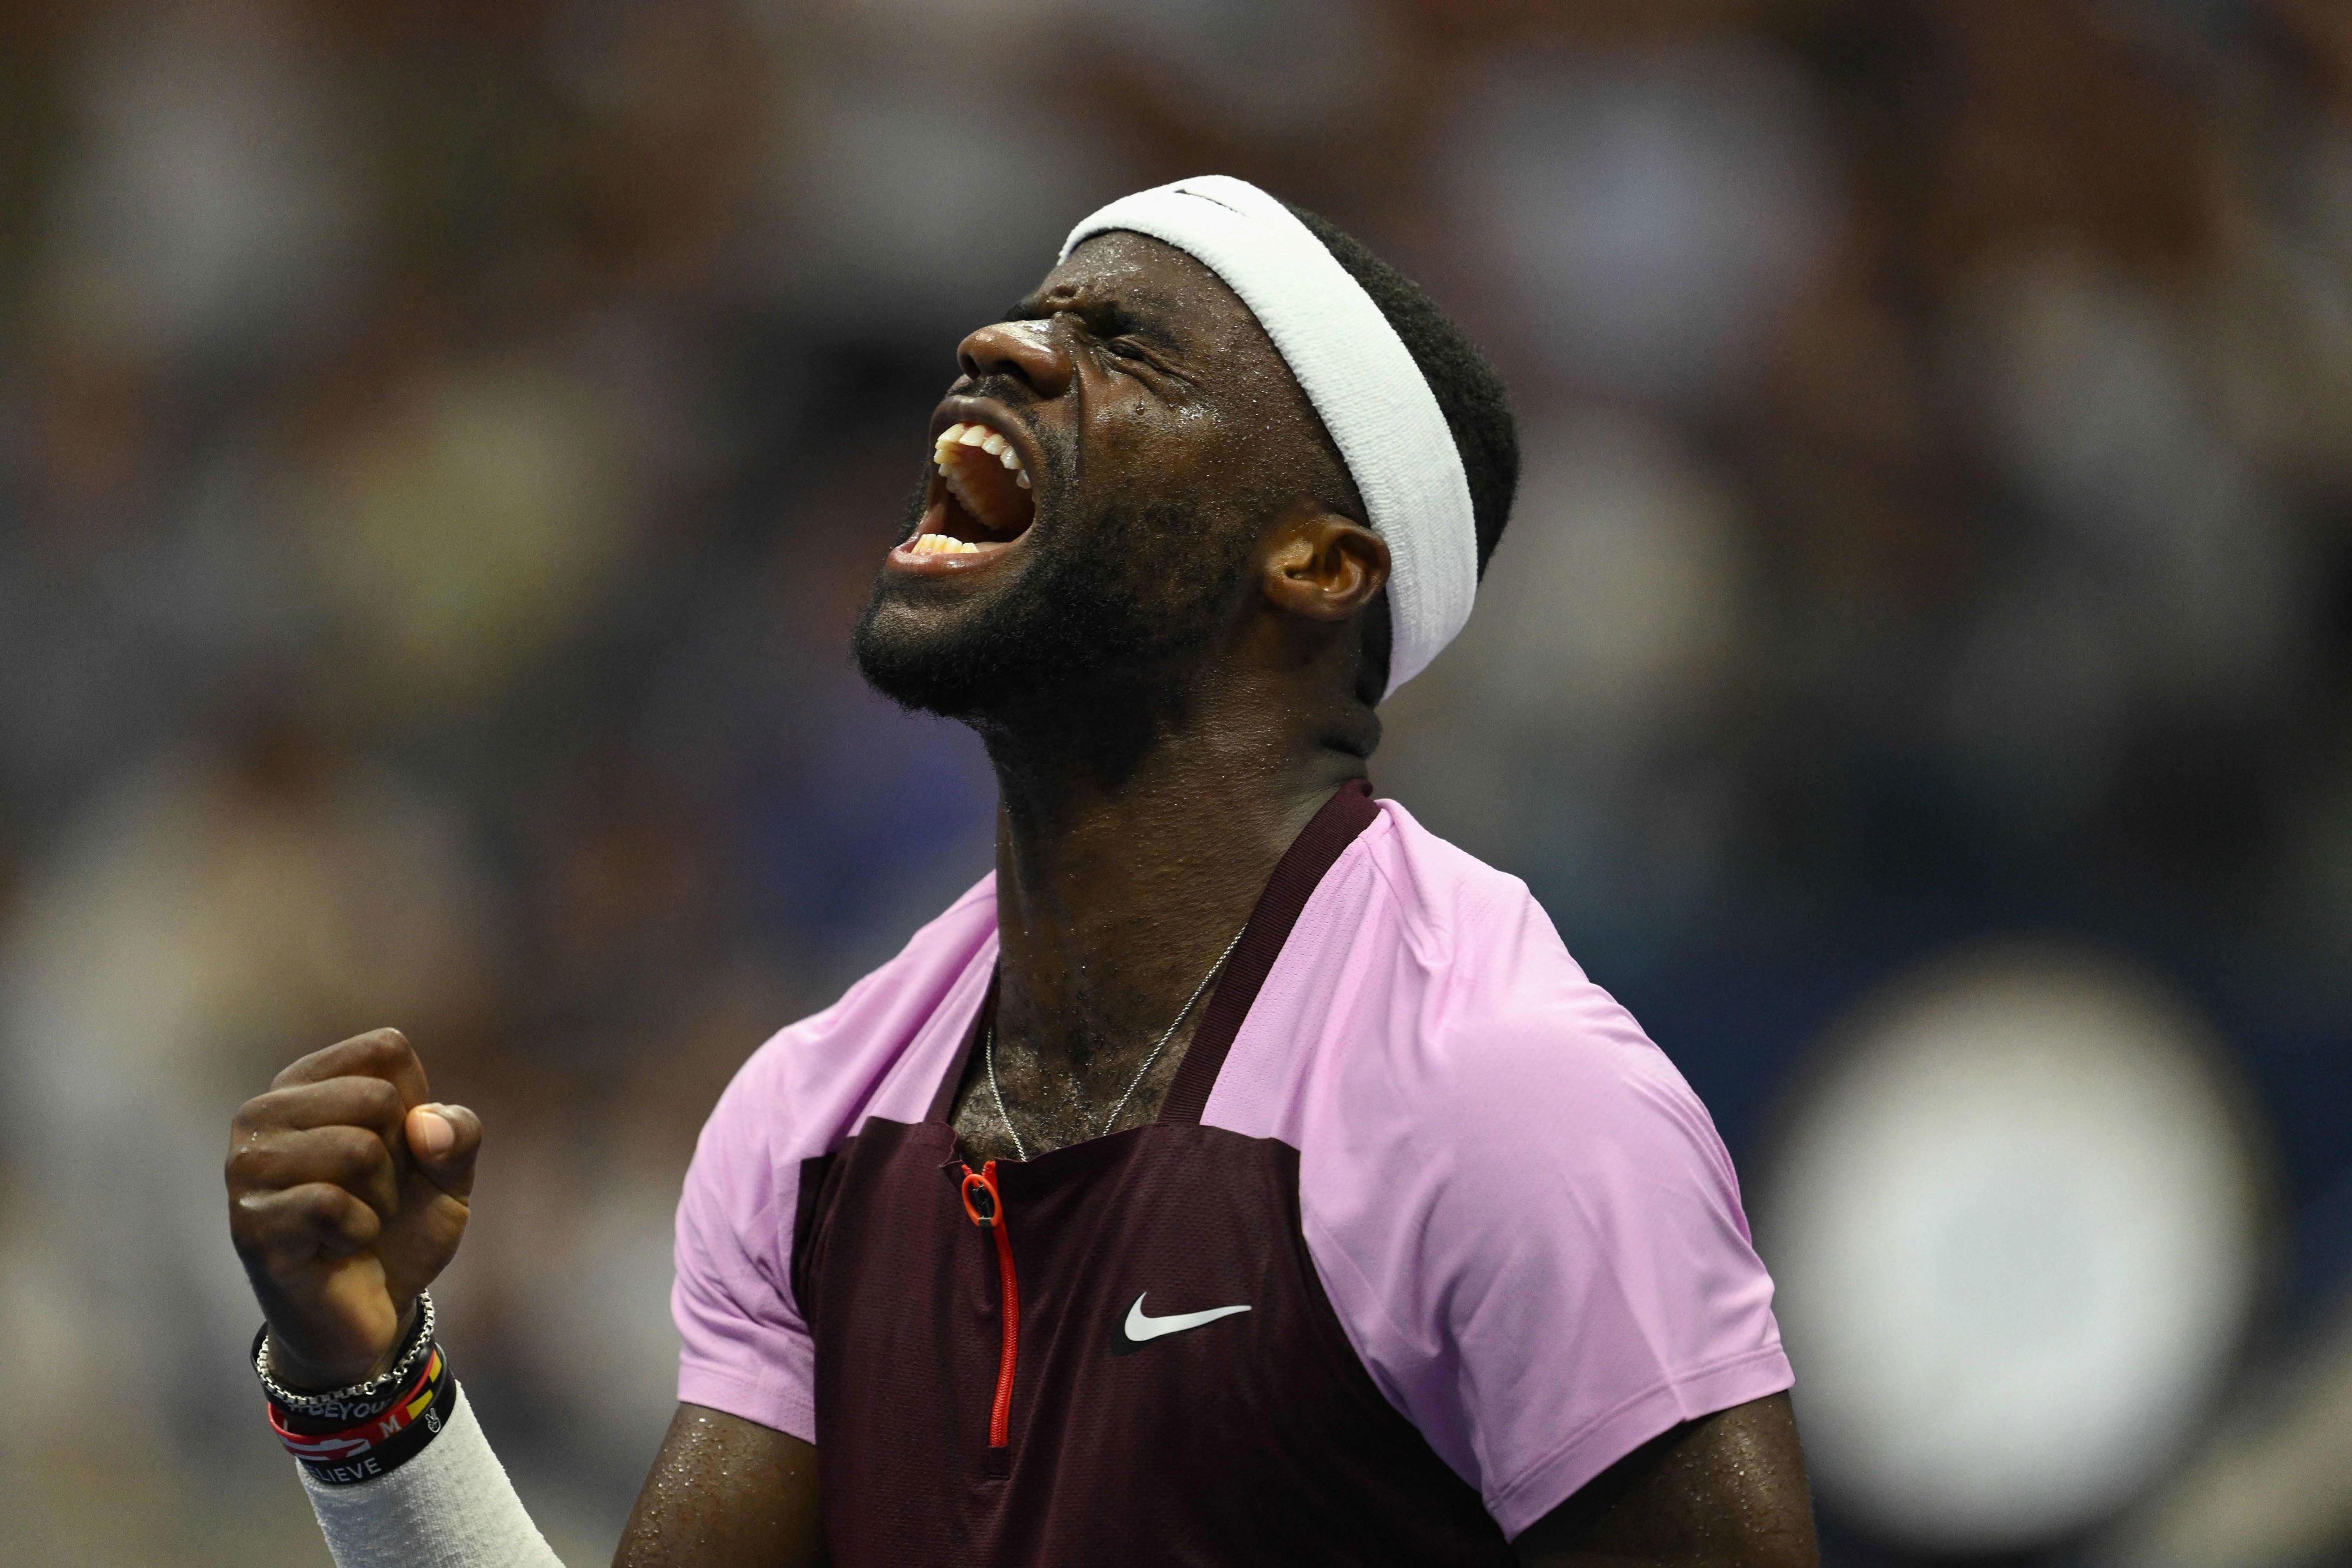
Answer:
(359, 1401)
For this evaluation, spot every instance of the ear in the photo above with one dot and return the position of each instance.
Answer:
(1322, 566)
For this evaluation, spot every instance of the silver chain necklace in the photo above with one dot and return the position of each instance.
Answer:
(989, 1054)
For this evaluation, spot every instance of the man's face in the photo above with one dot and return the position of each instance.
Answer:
(1100, 474)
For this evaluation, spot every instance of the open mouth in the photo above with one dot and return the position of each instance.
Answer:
(980, 497)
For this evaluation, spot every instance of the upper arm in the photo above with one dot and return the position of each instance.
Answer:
(735, 1481)
(744, 1343)
(725, 1493)
(1727, 1488)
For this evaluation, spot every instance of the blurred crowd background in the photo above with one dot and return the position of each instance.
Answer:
(443, 447)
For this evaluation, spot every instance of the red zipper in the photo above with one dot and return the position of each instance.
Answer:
(1000, 1414)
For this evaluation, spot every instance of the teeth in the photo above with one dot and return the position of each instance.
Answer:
(942, 544)
(987, 441)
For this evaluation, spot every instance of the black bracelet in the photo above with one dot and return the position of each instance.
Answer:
(388, 1456)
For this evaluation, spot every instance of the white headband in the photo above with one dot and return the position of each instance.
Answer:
(1359, 375)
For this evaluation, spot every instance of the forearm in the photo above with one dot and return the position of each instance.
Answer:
(449, 1507)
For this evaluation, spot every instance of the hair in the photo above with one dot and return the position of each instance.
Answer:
(1469, 395)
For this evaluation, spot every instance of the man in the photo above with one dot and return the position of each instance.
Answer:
(1240, 1175)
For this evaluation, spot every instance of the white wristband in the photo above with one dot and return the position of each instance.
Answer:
(449, 1507)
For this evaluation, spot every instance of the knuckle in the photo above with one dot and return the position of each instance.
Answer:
(381, 1099)
(385, 1047)
(358, 1150)
(299, 1071)
(348, 1145)
(246, 1164)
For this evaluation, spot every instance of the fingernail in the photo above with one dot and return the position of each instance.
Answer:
(434, 1133)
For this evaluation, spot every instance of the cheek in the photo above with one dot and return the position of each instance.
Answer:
(1143, 446)
(1250, 443)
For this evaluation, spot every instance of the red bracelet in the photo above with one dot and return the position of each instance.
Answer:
(350, 1442)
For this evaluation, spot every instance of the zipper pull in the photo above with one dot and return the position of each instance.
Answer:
(1000, 1411)
(985, 1180)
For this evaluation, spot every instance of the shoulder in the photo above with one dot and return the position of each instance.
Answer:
(808, 1089)
(805, 1089)
(1503, 997)
(1566, 1093)
(1426, 999)
(1494, 1057)
(1451, 906)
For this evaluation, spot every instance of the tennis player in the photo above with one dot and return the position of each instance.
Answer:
(1241, 1174)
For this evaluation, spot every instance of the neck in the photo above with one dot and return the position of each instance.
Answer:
(1115, 896)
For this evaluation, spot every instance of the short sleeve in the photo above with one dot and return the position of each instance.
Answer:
(1539, 1250)
(745, 1348)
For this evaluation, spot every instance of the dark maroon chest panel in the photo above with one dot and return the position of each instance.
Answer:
(1130, 1416)
(1252, 1436)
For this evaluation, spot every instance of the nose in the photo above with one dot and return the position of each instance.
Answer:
(1023, 350)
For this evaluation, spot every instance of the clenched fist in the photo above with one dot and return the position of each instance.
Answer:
(347, 1196)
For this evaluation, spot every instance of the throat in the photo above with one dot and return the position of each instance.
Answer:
(1035, 1102)
(1117, 908)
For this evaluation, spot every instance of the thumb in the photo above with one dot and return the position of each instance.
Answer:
(445, 1139)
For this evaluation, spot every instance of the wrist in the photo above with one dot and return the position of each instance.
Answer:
(409, 1354)
(363, 1430)
(303, 1375)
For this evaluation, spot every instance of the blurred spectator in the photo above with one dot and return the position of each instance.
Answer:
(442, 449)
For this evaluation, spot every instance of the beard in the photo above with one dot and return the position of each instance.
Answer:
(1091, 650)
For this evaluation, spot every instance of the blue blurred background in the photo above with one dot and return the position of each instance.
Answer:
(443, 447)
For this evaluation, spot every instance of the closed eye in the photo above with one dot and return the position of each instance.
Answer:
(1110, 323)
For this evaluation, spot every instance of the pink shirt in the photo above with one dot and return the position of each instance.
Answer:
(1519, 1212)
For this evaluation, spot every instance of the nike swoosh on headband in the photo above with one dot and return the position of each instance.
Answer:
(1139, 1330)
